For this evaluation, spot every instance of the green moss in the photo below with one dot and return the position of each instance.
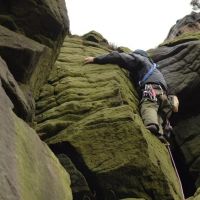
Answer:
(107, 115)
(96, 37)
(159, 155)
(51, 127)
(36, 167)
(112, 145)
(79, 85)
(181, 39)
(97, 116)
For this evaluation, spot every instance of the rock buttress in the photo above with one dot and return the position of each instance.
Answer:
(91, 113)
(28, 168)
(179, 61)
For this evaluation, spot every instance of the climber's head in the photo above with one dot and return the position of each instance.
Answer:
(141, 52)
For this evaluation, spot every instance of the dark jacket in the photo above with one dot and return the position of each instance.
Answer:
(137, 64)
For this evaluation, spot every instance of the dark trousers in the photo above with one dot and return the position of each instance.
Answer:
(155, 107)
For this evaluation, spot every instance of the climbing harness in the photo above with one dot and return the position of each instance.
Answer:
(176, 171)
(149, 93)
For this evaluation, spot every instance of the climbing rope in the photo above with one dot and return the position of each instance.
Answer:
(176, 171)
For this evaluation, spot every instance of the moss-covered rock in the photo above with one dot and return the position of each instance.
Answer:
(196, 195)
(179, 60)
(79, 185)
(72, 94)
(96, 37)
(45, 22)
(185, 37)
(121, 156)
(91, 111)
(188, 24)
(28, 168)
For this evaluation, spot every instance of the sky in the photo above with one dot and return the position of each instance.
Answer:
(136, 24)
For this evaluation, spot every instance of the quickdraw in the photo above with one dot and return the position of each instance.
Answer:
(149, 93)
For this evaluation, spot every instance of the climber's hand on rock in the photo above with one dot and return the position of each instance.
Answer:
(89, 60)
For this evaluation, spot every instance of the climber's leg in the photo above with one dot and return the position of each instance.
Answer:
(149, 114)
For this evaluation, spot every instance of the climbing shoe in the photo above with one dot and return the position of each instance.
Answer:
(152, 128)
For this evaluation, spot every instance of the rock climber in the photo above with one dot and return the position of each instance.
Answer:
(155, 107)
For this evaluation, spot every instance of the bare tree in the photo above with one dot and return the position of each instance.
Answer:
(195, 4)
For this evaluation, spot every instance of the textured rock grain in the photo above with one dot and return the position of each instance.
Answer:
(91, 111)
(28, 169)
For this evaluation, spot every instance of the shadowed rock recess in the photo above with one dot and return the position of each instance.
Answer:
(88, 114)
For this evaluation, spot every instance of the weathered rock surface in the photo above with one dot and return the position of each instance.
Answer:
(88, 114)
(95, 37)
(188, 138)
(196, 195)
(179, 60)
(28, 61)
(187, 26)
(132, 199)
(45, 21)
(91, 111)
(79, 184)
(177, 57)
(21, 106)
(28, 169)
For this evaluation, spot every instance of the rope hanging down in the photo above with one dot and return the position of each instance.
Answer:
(176, 171)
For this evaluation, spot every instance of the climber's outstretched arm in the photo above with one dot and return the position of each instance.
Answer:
(111, 58)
